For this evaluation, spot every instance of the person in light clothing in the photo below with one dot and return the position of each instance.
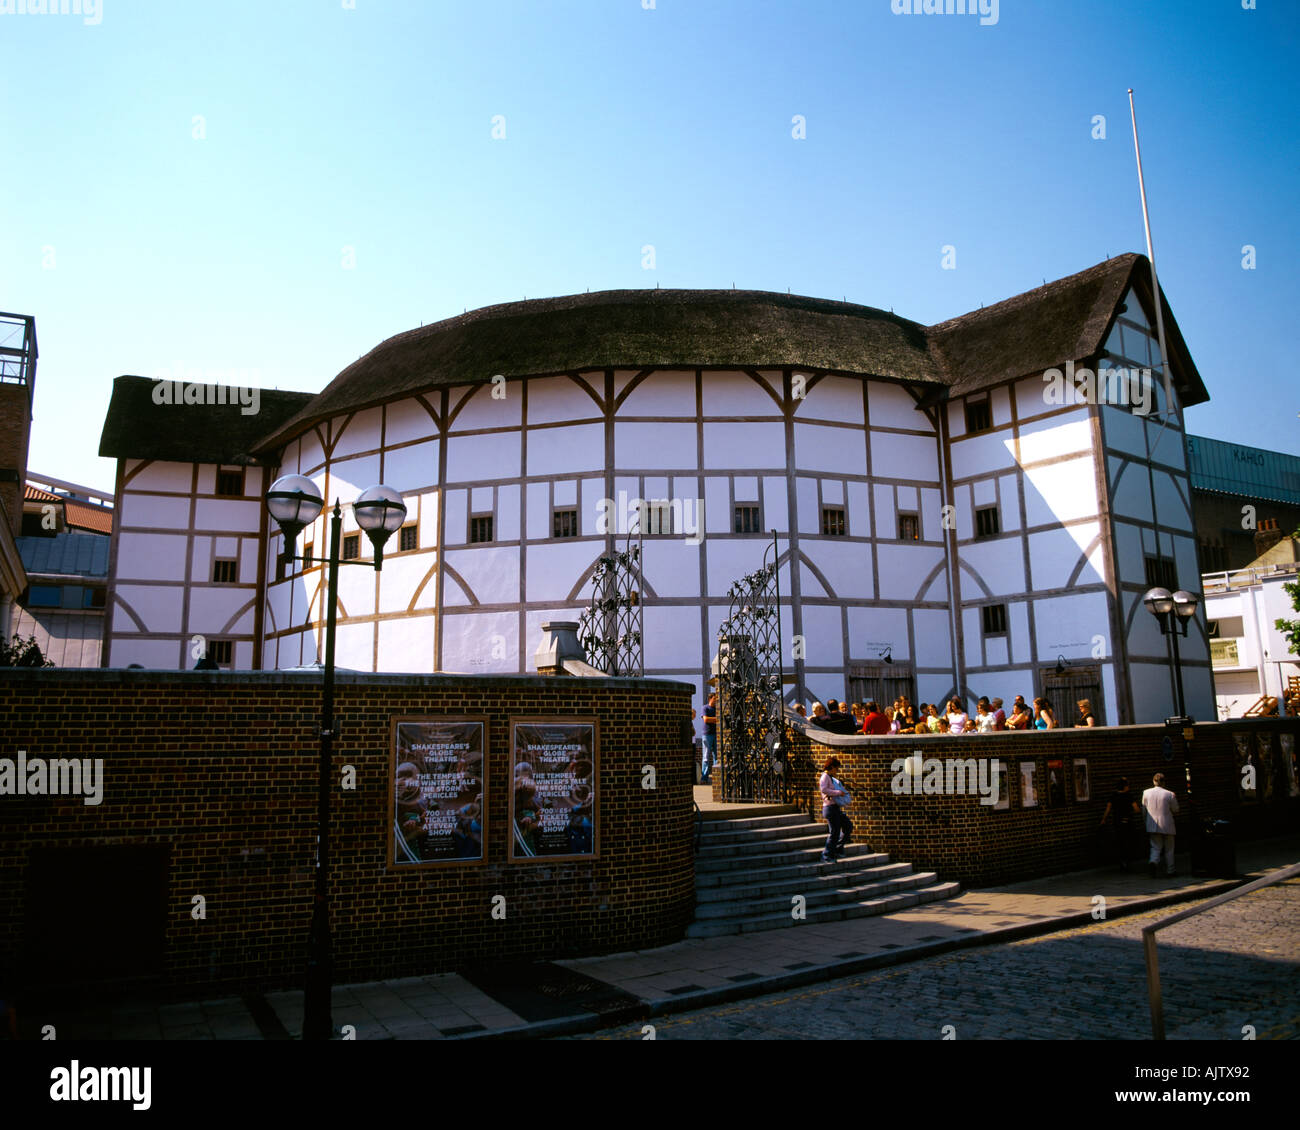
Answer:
(1160, 805)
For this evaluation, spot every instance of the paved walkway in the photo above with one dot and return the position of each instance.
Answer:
(586, 994)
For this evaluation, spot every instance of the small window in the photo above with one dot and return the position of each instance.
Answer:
(480, 528)
(995, 619)
(657, 517)
(225, 571)
(747, 520)
(309, 554)
(94, 597)
(351, 547)
(909, 527)
(1161, 574)
(72, 596)
(282, 566)
(409, 538)
(230, 484)
(986, 522)
(44, 596)
(564, 524)
(978, 417)
(221, 652)
(833, 521)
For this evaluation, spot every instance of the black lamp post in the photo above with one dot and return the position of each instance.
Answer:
(295, 502)
(1173, 612)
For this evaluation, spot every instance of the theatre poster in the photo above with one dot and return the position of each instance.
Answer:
(438, 781)
(553, 764)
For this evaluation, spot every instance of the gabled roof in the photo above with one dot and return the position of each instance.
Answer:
(83, 516)
(1065, 320)
(138, 428)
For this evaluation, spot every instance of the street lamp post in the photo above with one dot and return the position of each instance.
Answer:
(295, 502)
(1173, 612)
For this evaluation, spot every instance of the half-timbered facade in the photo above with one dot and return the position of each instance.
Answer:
(958, 509)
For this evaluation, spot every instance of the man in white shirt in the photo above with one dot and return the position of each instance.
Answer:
(1160, 805)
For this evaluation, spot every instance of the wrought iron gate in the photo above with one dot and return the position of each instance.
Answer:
(610, 628)
(752, 745)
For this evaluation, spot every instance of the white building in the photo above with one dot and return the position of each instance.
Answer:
(940, 495)
(1250, 657)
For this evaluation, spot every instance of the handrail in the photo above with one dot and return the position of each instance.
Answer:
(1149, 938)
(699, 826)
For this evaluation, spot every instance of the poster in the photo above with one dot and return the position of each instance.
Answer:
(1055, 782)
(1287, 742)
(1246, 774)
(553, 788)
(1082, 783)
(438, 783)
(1028, 795)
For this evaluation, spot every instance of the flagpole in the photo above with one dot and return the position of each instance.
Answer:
(1151, 257)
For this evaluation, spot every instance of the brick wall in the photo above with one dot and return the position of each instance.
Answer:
(15, 427)
(220, 771)
(981, 846)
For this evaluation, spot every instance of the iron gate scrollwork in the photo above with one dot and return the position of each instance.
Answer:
(610, 628)
(752, 741)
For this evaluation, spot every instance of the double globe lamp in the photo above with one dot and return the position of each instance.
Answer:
(295, 502)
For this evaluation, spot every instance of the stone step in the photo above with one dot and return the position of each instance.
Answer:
(828, 876)
(777, 846)
(759, 835)
(739, 812)
(856, 857)
(756, 823)
(737, 859)
(856, 888)
(887, 904)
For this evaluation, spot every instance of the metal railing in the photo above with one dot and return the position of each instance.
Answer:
(1149, 938)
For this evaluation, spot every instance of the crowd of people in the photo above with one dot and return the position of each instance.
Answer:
(931, 718)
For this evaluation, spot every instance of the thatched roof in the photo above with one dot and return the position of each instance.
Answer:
(138, 428)
(1066, 320)
(629, 329)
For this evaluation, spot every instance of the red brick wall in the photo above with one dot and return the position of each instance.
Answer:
(223, 769)
(980, 846)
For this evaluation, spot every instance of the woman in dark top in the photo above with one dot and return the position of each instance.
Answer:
(1086, 716)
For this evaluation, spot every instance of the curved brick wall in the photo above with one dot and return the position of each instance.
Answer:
(216, 773)
(979, 846)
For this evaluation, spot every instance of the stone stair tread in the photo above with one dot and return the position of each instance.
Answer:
(826, 896)
(835, 876)
(785, 867)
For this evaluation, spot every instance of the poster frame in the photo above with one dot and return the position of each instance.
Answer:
(390, 834)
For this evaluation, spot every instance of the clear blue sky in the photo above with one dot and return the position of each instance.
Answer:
(141, 248)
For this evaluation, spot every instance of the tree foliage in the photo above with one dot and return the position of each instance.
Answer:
(1291, 628)
(22, 653)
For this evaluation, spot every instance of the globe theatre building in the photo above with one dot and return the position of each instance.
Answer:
(959, 508)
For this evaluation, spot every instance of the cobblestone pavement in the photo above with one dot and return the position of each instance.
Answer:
(1233, 966)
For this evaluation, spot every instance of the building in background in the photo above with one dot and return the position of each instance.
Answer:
(18, 355)
(65, 550)
(960, 508)
(1245, 500)
(1251, 658)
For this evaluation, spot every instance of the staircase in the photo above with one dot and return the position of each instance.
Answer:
(750, 867)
